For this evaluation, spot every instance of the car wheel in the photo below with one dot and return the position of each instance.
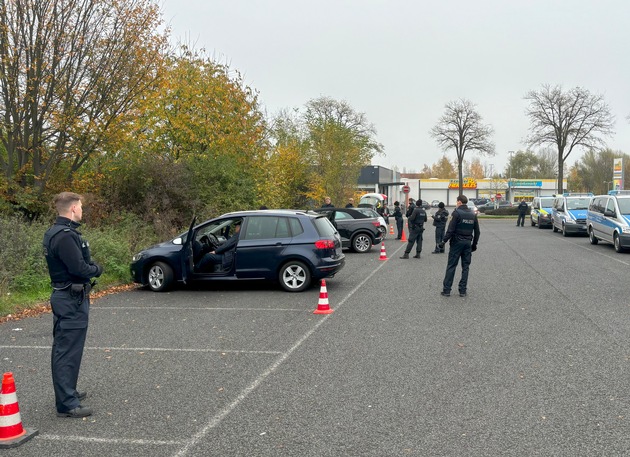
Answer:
(531, 219)
(294, 276)
(361, 243)
(591, 236)
(554, 228)
(539, 224)
(617, 243)
(564, 230)
(159, 277)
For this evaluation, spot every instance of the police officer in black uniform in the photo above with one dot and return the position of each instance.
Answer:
(398, 216)
(416, 226)
(463, 233)
(439, 222)
(71, 269)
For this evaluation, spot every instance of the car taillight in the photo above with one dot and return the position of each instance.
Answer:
(376, 224)
(325, 244)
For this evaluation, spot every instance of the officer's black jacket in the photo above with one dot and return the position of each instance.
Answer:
(418, 217)
(67, 254)
(463, 226)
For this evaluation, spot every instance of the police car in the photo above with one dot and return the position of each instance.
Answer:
(568, 213)
(541, 211)
(608, 219)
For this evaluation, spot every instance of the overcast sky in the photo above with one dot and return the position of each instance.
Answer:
(400, 62)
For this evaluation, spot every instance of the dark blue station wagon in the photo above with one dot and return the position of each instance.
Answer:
(288, 246)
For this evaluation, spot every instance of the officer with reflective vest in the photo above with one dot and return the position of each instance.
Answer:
(71, 268)
(463, 234)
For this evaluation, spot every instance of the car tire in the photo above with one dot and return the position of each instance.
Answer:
(591, 236)
(539, 224)
(554, 228)
(564, 230)
(294, 276)
(617, 243)
(531, 219)
(159, 277)
(361, 243)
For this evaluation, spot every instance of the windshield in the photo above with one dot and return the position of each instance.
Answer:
(624, 206)
(578, 202)
(372, 201)
(368, 212)
(546, 202)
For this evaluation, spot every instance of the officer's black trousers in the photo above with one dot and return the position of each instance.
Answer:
(415, 236)
(439, 235)
(458, 250)
(70, 324)
(399, 227)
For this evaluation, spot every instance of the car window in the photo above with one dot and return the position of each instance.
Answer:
(624, 206)
(266, 227)
(324, 227)
(546, 202)
(296, 226)
(611, 205)
(578, 203)
(341, 215)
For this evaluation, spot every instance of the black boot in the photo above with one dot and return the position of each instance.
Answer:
(405, 255)
(417, 256)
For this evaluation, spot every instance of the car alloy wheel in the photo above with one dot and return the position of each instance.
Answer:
(591, 236)
(361, 243)
(159, 277)
(294, 276)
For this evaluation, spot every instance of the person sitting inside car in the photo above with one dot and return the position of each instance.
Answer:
(222, 255)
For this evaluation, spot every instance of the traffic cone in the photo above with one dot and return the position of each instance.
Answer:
(404, 237)
(383, 253)
(12, 434)
(391, 229)
(323, 307)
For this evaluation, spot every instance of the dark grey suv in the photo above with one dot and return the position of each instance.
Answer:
(358, 231)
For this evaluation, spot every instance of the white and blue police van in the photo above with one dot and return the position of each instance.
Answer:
(608, 219)
(568, 213)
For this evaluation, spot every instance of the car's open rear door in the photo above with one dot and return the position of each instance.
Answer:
(187, 252)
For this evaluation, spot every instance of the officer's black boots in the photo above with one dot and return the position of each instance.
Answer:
(405, 255)
(417, 256)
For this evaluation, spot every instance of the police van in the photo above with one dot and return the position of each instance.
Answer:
(568, 213)
(608, 219)
(541, 211)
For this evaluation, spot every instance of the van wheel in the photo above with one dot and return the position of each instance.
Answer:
(159, 277)
(617, 243)
(532, 222)
(554, 228)
(591, 236)
(294, 276)
(564, 230)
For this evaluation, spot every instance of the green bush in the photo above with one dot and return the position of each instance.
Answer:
(24, 278)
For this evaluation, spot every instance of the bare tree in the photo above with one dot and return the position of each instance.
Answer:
(69, 71)
(461, 128)
(566, 120)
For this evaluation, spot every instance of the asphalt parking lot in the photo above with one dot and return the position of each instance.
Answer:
(534, 361)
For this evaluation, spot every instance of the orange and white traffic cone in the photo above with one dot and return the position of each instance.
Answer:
(323, 307)
(383, 253)
(391, 229)
(12, 434)
(404, 237)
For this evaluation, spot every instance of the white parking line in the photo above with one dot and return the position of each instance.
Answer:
(230, 351)
(107, 440)
(218, 418)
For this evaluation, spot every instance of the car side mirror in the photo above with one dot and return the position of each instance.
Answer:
(609, 213)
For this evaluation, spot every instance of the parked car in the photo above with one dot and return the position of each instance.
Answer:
(608, 219)
(494, 205)
(480, 201)
(358, 231)
(426, 204)
(369, 212)
(568, 213)
(435, 203)
(291, 247)
(540, 214)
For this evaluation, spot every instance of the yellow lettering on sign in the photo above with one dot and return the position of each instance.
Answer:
(469, 183)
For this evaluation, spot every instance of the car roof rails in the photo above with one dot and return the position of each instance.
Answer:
(577, 194)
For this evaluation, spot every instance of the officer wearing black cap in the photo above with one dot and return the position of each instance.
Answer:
(416, 226)
(463, 233)
(439, 222)
(71, 268)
